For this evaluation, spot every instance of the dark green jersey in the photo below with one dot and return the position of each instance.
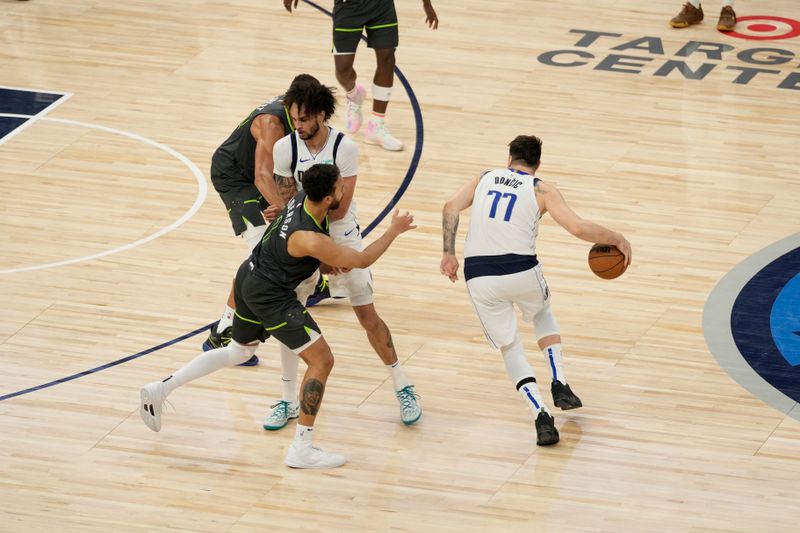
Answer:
(271, 259)
(234, 162)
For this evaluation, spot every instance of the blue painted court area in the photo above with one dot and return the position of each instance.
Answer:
(15, 101)
(40, 102)
(765, 322)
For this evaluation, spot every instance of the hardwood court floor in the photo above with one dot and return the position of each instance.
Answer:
(698, 173)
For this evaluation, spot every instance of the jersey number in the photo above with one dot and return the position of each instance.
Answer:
(496, 200)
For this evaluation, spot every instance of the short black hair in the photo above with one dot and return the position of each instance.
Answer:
(319, 181)
(527, 148)
(310, 96)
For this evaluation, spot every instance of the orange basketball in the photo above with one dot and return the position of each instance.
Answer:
(606, 261)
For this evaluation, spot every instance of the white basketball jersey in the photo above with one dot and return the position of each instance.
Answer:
(505, 216)
(292, 157)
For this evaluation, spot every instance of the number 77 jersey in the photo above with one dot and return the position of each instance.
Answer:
(504, 219)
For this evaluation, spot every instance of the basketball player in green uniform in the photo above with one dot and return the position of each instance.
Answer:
(266, 291)
(379, 19)
(241, 172)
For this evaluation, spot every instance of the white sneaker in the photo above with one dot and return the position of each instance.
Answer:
(282, 412)
(152, 401)
(299, 456)
(410, 410)
(354, 117)
(376, 133)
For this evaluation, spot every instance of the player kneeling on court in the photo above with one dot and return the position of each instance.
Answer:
(266, 292)
(501, 268)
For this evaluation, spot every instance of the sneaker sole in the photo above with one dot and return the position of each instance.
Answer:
(315, 467)
(720, 27)
(144, 398)
(553, 440)
(679, 24)
(276, 428)
(253, 361)
(566, 406)
(412, 422)
(376, 143)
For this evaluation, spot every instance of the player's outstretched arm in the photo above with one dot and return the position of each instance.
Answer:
(461, 200)
(288, 4)
(551, 200)
(322, 247)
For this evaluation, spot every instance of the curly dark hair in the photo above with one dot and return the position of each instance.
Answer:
(319, 181)
(527, 148)
(310, 96)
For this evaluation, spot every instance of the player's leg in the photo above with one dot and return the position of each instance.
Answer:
(492, 298)
(247, 333)
(534, 301)
(245, 206)
(288, 407)
(298, 331)
(348, 24)
(357, 286)
(380, 338)
(383, 37)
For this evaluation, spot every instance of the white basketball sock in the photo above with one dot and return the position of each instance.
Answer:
(399, 378)
(289, 363)
(727, 3)
(521, 374)
(208, 362)
(303, 434)
(226, 320)
(555, 360)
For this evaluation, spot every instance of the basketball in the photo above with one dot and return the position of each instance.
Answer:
(606, 261)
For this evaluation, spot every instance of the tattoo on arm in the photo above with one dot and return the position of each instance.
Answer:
(313, 389)
(449, 230)
(287, 187)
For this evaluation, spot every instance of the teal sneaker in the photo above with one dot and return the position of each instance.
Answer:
(410, 410)
(282, 412)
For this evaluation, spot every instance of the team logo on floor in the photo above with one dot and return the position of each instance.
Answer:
(765, 28)
(752, 324)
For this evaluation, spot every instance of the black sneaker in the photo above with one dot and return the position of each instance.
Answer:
(220, 340)
(546, 432)
(563, 396)
(321, 292)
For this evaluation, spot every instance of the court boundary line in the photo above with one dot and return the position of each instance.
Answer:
(33, 118)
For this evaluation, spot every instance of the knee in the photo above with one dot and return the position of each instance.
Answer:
(239, 353)
(370, 321)
(325, 362)
(385, 59)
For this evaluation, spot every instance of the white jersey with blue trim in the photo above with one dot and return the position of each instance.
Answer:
(504, 218)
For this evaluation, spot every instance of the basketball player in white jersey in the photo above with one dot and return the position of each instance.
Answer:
(313, 141)
(501, 268)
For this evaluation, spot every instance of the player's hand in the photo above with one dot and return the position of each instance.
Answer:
(625, 247)
(271, 213)
(288, 4)
(402, 222)
(329, 270)
(449, 267)
(430, 15)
